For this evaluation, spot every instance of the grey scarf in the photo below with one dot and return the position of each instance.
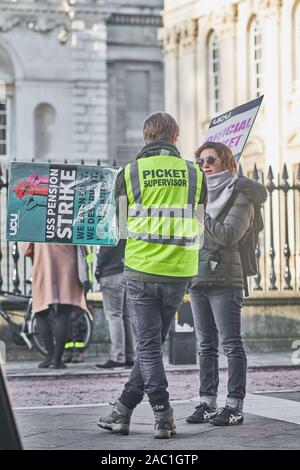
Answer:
(220, 187)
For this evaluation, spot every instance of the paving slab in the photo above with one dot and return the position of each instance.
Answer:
(75, 427)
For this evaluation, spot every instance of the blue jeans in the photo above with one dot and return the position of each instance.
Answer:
(113, 290)
(152, 307)
(217, 311)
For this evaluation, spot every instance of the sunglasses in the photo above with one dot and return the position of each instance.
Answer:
(210, 160)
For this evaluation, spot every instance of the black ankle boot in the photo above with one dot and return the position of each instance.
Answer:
(46, 363)
(59, 365)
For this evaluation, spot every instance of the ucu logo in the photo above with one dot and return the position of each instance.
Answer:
(13, 224)
(222, 118)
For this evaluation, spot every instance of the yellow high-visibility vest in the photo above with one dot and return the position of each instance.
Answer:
(163, 192)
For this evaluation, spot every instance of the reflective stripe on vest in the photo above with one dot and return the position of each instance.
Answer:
(74, 344)
(89, 259)
(163, 234)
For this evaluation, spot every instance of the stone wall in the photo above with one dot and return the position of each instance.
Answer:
(271, 322)
(135, 75)
(89, 99)
(58, 54)
(268, 324)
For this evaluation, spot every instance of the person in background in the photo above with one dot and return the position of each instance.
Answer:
(217, 292)
(56, 289)
(109, 274)
(75, 345)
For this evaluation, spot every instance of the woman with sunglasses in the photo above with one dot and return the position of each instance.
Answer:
(217, 293)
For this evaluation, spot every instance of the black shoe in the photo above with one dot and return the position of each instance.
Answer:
(46, 363)
(227, 417)
(202, 414)
(110, 365)
(67, 357)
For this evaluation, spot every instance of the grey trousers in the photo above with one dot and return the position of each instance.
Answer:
(217, 312)
(113, 290)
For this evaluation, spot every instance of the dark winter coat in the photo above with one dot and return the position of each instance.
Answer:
(219, 260)
(110, 260)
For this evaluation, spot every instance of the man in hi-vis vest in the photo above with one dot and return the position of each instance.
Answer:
(161, 257)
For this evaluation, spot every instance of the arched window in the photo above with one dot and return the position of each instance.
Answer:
(297, 43)
(44, 128)
(213, 76)
(256, 59)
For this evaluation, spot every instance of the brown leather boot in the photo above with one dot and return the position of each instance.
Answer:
(164, 426)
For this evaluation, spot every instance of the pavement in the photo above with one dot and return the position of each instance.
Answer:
(30, 368)
(272, 419)
(271, 422)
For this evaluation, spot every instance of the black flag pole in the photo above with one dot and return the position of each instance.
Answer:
(9, 436)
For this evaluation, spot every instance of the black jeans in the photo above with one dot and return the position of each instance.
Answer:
(54, 338)
(152, 307)
(217, 311)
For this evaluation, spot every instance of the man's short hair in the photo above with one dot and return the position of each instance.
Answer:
(160, 126)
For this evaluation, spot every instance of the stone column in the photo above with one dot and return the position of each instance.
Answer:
(89, 54)
(180, 82)
(170, 40)
(202, 113)
(187, 88)
(270, 17)
(229, 59)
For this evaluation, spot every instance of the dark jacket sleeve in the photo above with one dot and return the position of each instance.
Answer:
(120, 185)
(110, 260)
(103, 259)
(204, 194)
(235, 224)
(120, 190)
(106, 254)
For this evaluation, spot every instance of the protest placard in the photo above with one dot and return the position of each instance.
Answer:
(55, 203)
(233, 127)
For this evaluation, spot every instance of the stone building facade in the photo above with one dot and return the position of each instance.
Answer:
(135, 74)
(222, 53)
(80, 76)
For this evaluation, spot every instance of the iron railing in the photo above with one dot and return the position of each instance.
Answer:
(277, 253)
(278, 250)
